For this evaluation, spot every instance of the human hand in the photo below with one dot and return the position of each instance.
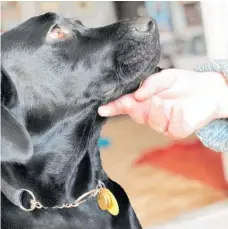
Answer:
(175, 102)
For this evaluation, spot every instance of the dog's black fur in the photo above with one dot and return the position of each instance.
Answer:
(51, 90)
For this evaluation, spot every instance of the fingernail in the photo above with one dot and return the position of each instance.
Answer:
(105, 111)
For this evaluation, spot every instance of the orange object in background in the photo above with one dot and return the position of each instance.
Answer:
(192, 160)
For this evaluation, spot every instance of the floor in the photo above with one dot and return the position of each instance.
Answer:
(214, 216)
(156, 195)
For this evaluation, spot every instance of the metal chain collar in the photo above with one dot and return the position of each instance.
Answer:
(34, 204)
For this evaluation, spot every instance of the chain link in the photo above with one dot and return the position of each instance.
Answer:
(81, 199)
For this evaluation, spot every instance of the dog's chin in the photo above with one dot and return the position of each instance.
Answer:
(134, 85)
(129, 86)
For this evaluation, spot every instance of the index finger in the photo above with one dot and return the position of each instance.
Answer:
(156, 83)
(120, 106)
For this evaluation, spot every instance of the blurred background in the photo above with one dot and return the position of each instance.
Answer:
(170, 183)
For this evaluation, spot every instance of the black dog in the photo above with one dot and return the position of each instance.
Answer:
(55, 74)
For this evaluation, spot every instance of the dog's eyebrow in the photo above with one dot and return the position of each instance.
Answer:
(73, 20)
(48, 17)
(78, 21)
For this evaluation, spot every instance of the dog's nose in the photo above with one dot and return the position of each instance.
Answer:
(143, 24)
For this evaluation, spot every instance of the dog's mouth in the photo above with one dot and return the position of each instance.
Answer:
(131, 86)
(137, 58)
(136, 81)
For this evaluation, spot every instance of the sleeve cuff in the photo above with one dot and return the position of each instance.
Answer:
(220, 66)
(215, 134)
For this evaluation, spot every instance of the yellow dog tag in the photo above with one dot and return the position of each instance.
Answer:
(107, 201)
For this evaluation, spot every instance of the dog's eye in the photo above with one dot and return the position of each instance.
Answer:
(57, 33)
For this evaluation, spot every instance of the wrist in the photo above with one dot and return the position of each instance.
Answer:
(222, 108)
(222, 95)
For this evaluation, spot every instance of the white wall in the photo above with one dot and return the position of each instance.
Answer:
(178, 17)
(92, 14)
(215, 18)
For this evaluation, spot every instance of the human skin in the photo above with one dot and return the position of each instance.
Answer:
(175, 102)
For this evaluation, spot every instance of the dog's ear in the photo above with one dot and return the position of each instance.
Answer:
(16, 145)
(8, 90)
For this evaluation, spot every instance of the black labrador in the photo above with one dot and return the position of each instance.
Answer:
(55, 73)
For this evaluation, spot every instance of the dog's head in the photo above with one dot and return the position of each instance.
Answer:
(50, 62)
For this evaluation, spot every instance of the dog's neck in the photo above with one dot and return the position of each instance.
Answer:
(66, 161)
